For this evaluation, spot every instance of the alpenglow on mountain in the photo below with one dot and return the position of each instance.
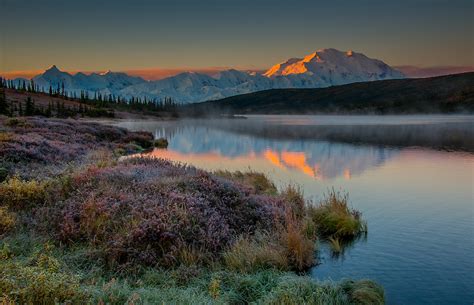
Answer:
(323, 68)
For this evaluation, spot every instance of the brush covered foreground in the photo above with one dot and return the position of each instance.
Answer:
(93, 229)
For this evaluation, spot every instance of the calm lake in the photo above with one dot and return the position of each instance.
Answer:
(412, 177)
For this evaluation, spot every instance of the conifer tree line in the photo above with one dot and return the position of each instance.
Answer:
(95, 106)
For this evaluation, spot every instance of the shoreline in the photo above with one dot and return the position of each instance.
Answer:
(253, 232)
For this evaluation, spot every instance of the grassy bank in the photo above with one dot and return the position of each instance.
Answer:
(79, 226)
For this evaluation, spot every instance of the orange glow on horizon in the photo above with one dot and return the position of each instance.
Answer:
(145, 73)
(21, 74)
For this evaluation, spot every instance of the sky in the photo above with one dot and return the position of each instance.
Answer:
(166, 36)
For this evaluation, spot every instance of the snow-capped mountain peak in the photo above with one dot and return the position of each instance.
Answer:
(106, 72)
(105, 83)
(52, 68)
(322, 68)
(333, 67)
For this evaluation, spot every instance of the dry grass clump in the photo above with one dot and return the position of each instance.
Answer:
(257, 252)
(335, 219)
(285, 250)
(290, 245)
(293, 196)
(300, 249)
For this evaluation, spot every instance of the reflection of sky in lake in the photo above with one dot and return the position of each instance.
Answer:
(419, 203)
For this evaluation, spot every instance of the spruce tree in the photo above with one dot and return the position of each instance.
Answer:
(3, 102)
(3, 99)
(29, 107)
(49, 110)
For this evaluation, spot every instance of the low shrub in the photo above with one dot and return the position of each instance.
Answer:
(7, 220)
(161, 143)
(19, 194)
(141, 138)
(54, 143)
(16, 122)
(38, 283)
(6, 136)
(150, 211)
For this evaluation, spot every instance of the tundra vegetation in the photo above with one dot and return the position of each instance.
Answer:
(80, 225)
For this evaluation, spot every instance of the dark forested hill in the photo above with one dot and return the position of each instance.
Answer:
(443, 94)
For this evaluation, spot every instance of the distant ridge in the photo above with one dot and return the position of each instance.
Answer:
(442, 94)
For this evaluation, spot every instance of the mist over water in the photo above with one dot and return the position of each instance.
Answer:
(410, 176)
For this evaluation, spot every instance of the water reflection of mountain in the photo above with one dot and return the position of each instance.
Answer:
(326, 147)
(320, 159)
(455, 136)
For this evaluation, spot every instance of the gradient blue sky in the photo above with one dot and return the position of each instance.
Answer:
(123, 35)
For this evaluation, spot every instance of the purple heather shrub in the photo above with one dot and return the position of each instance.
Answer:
(56, 142)
(148, 210)
(142, 211)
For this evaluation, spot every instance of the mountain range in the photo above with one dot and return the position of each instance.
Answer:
(441, 94)
(323, 68)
